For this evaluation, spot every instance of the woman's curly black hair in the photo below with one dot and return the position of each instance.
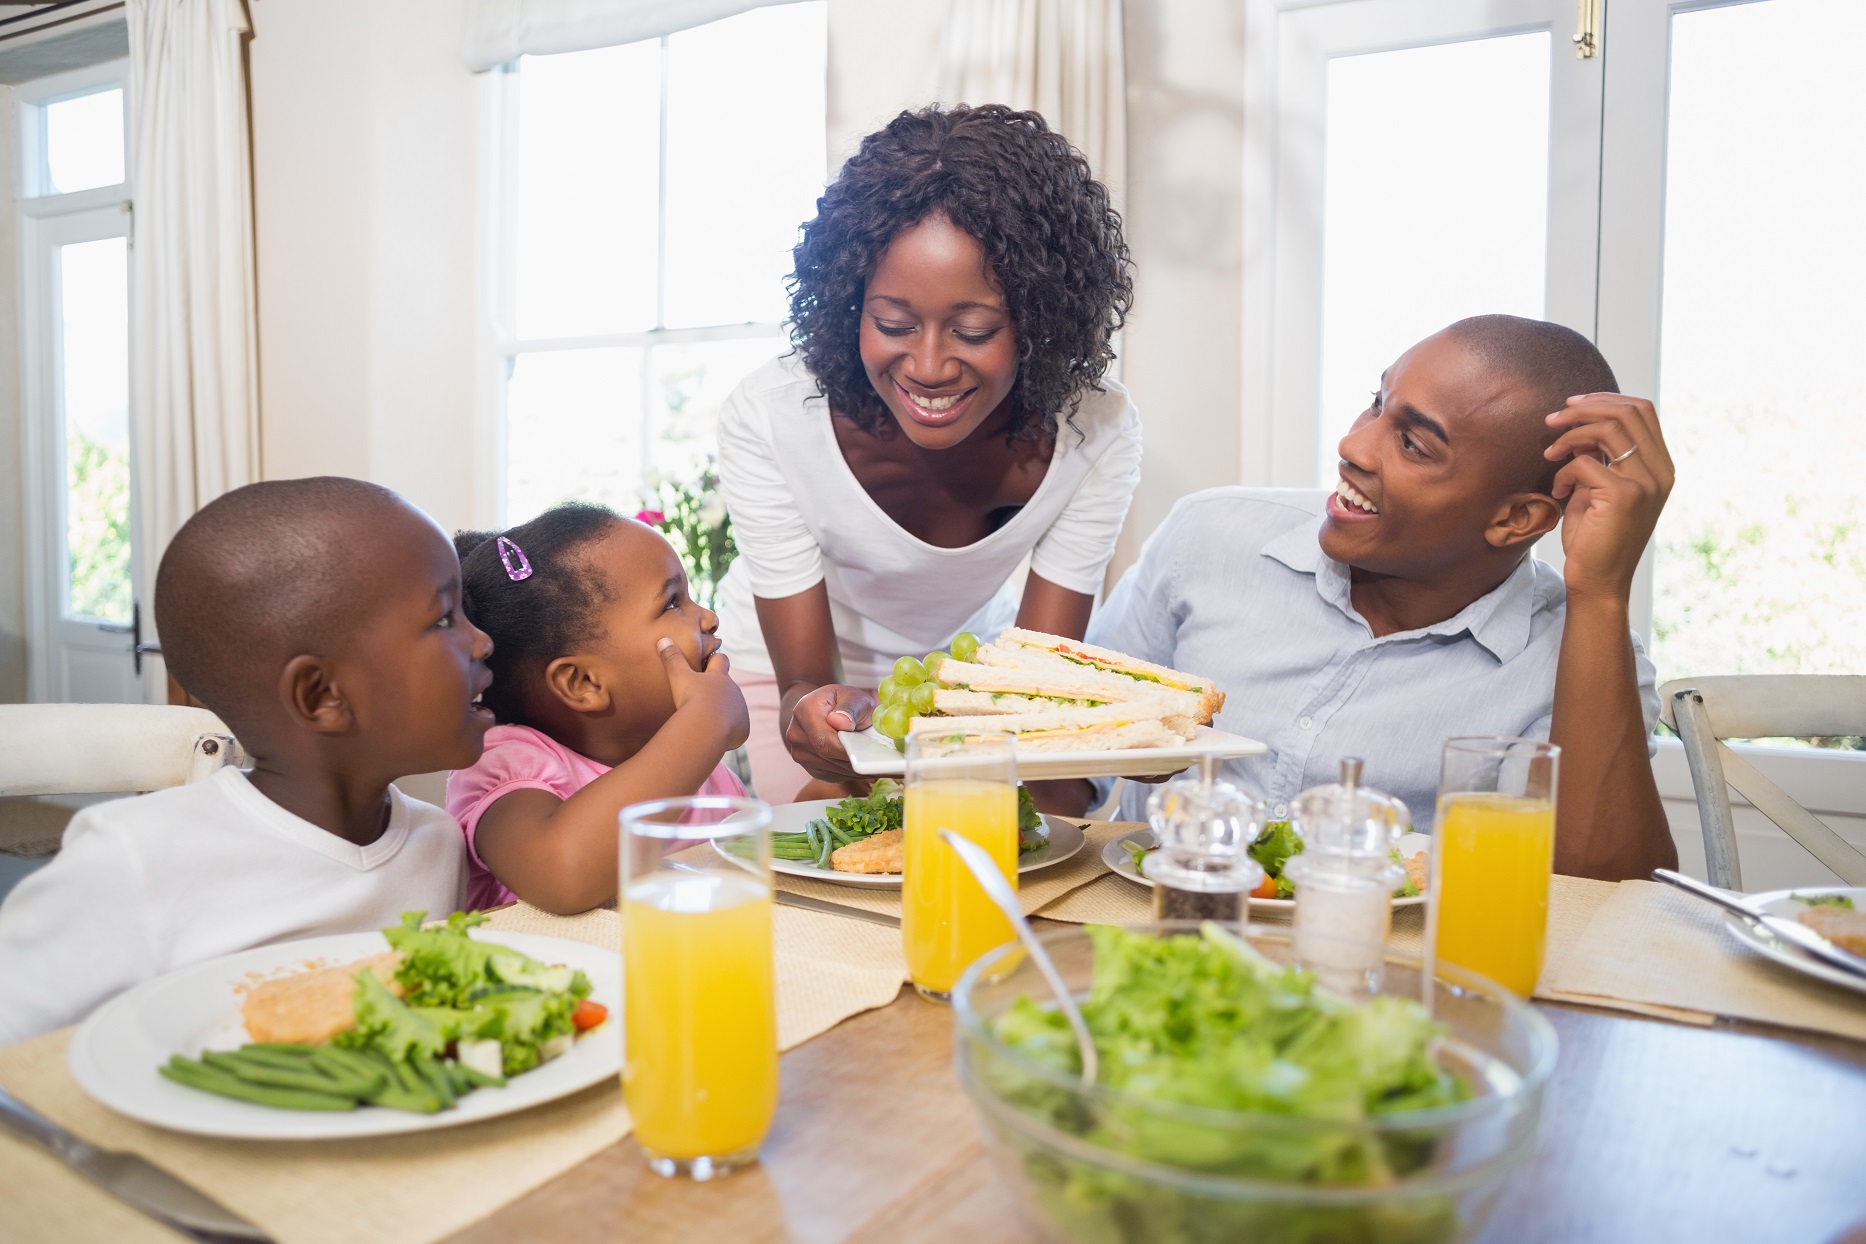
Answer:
(1050, 235)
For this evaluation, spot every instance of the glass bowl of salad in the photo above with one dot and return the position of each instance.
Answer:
(1238, 1100)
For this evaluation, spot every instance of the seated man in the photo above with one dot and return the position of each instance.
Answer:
(320, 618)
(1404, 608)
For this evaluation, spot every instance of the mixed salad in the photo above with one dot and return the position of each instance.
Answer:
(471, 1013)
(1272, 849)
(1189, 1027)
(881, 809)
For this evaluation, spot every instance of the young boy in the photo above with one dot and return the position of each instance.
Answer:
(320, 618)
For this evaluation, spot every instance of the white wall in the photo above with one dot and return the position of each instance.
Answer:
(368, 201)
(12, 443)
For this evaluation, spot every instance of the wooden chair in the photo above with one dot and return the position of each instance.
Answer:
(94, 749)
(1706, 711)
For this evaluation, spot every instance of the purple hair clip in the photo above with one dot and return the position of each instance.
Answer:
(517, 566)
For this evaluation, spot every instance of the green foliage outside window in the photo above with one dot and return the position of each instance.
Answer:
(97, 528)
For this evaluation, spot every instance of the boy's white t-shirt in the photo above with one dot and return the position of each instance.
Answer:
(147, 885)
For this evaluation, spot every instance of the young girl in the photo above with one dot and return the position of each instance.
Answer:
(609, 688)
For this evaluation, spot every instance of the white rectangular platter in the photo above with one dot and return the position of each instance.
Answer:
(871, 755)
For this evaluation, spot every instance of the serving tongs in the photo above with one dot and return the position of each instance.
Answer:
(1781, 928)
(986, 873)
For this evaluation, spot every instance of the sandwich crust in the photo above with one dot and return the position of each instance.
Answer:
(1076, 652)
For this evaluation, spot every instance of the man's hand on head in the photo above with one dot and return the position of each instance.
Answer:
(1615, 484)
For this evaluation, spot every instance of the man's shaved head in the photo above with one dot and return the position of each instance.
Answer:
(1549, 364)
(265, 573)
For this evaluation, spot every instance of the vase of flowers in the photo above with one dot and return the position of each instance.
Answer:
(693, 516)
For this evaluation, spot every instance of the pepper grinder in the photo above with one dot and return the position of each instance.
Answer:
(1345, 879)
(1203, 870)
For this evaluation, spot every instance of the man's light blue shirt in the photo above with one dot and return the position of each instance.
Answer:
(1234, 587)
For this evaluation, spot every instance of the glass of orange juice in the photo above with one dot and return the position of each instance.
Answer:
(968, 784)
(1493, 850)
(699, 1005)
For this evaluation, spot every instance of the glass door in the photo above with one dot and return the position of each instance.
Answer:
(75, 323)
(1428, 160)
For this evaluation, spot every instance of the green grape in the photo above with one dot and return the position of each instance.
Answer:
(890, 690)
(892, 721)
(931, 662)
(900, 745)
(908, 671)
(920, 698)
(964, 646)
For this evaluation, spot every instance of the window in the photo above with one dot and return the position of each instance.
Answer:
(75, 277)
(1688, 199)
(653, 194)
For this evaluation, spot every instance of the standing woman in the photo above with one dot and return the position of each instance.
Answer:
(944, 417)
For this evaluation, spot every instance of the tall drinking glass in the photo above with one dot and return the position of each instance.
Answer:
(699, 1065)
(1493, 851)
(968, 784)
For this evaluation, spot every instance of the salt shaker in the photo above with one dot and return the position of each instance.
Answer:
(1203, 870)
(1344, 879)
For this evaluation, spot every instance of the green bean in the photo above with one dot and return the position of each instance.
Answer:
(279, 1048)
(456, 1077)
(211, 1080)
(306, 1077)
(435, 1078)
(346, 1064)
(404, 1090)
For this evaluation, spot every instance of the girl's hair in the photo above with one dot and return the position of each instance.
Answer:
(533, 621)
(1052, 239)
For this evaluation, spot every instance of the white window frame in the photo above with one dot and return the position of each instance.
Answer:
(1605, 274)
(508, 346)
(45, 222)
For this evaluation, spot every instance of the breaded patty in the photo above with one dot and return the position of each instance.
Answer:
(309, 1008)
(1839, 925)
(885, 852)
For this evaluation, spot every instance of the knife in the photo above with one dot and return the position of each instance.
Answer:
(130, 1178)
(807, 903)
(1791, 931)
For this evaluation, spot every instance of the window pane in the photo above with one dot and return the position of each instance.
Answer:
(84, 142)
(573, 430)
(1762, 548)
(687, 386)
(589, 147)
(93, 287)
(745, 160)
(1435, 204)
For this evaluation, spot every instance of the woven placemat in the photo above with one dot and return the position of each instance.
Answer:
(398, 1189)
(1651, 945)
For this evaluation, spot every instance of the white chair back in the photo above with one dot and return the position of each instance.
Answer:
(1706, 711)
(94, 749)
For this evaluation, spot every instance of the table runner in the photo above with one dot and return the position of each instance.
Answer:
(1686, 958)
(406, 1189)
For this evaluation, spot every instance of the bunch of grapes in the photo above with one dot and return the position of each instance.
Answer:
(907, 693)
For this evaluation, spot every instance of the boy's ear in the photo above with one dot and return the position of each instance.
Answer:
(576, 684)
(311, 696)
(1524, 517)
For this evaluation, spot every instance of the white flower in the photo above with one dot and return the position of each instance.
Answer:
(712, 513)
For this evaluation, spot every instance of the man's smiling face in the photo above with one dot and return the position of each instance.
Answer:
(1428, 466)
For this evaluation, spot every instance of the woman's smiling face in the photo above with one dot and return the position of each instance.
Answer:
(937, 340)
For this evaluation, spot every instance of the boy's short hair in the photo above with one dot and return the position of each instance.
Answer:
(1553, 362)
(258, 576)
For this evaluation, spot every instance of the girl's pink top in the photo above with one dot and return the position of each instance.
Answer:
(520, 758)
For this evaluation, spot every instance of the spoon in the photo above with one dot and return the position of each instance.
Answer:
(985, 871)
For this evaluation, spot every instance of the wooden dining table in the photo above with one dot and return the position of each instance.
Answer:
(1655, 1131)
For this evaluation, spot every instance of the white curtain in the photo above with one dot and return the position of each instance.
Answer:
(194, 339)
(1062, 58)
(498, 31)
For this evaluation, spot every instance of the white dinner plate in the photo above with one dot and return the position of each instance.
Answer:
(1116, 856)
(790, 818)
(1780, 903)
(115, 1053)
(872, 755)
